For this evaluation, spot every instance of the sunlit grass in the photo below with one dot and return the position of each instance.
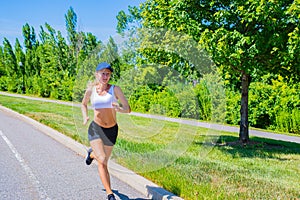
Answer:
(192, 162)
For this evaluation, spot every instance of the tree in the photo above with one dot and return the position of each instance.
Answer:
(29, 36)
(2, 66)
(111, 55)
(31, 64)
(90, 45)
(245, 38)
(75, 39)
(71, 25)
(10, 60)
(20, 56)
(11, 66)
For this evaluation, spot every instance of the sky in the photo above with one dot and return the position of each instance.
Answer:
(95, 16)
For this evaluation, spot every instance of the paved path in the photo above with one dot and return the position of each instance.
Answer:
(35, 166)
(257, 133)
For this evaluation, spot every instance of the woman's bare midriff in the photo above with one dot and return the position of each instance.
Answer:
(105, 117)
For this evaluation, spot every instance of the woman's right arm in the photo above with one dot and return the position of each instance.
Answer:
(84, 105)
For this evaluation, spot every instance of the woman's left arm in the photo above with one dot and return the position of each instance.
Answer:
(124, 108)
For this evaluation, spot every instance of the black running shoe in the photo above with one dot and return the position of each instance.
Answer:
(111, 197)
(88, 159)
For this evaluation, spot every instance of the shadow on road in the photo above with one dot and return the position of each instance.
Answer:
(125, 197)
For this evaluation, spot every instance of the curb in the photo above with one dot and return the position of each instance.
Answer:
(136, 181)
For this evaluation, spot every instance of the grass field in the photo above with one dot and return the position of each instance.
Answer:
(192, 162)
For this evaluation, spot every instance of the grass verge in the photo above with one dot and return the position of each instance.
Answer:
(192, 162)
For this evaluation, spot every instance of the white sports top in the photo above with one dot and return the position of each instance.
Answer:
(105, 101)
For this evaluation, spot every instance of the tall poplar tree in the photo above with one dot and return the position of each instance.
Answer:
(31, 43)
(10, 60)
(75, 41)
(10, 63)
(2, 66)
(20, 56)
(111, 55)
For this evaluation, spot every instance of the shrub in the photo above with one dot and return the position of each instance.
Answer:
(188, 101)
(288, 121)
(204, 101)
(165, 103)
(233, 104)
(274, 104)
(141, 98)
(3, 83)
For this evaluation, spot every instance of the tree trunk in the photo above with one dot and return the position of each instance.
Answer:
(244, 127)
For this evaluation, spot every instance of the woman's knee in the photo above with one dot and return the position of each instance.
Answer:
(101, 159)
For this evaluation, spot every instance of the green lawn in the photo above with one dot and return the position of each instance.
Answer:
(192, 162)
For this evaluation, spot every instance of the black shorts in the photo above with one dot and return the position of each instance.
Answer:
(107, 135)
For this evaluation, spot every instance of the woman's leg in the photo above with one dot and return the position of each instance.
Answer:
(102, 153)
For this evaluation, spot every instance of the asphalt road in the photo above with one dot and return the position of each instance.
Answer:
(35, 166)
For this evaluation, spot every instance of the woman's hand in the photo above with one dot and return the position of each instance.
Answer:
(116, 106)
(85, 100)
(85, 120)
(124, 108)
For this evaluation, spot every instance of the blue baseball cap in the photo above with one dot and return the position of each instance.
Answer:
(104, 65)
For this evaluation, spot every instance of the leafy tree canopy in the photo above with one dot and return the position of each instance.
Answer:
(246, 39)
